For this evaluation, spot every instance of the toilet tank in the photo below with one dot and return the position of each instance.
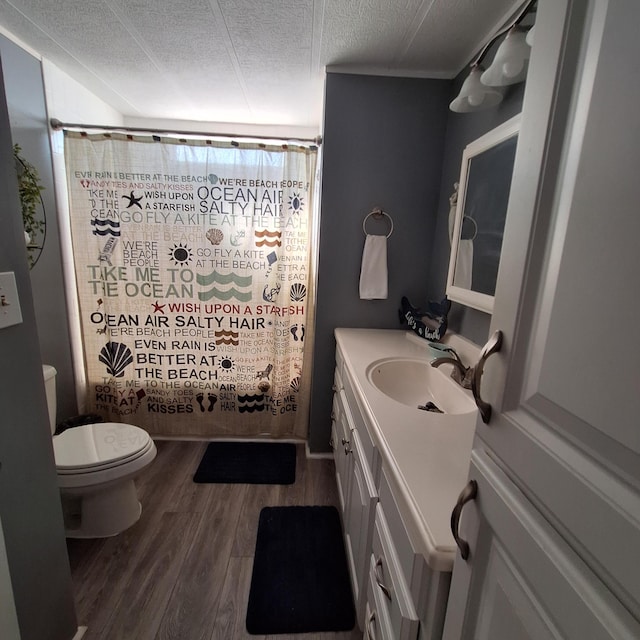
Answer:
(49, 374)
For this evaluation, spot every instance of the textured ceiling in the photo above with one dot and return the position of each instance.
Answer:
(245, 61)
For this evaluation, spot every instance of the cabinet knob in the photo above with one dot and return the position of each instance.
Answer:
(333, 416)
(493, 346)
(468, 493)
(334, 388)
(381, 584)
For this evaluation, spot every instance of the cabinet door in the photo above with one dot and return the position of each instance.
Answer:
(340, 436)
(359, 516)
(565, 386)
(567, 427)
(523, 579)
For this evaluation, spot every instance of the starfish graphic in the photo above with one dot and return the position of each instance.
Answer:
(133, 200)
(158, 308)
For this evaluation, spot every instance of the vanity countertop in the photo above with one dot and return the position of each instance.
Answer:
(425, 455)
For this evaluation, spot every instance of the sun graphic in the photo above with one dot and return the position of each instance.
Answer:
(296, 203)
(227, 364)
(181, 254)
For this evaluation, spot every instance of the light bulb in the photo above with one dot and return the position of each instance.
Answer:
(475, 99)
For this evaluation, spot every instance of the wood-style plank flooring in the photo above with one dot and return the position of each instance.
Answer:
(183, 571)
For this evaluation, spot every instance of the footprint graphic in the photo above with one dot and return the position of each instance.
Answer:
(199, 398)
(212, 401)
(294, 332)
(302, 333)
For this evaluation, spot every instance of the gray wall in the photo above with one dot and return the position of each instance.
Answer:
(28, 120)
(29, 500)
(383, 141)
(463, 128)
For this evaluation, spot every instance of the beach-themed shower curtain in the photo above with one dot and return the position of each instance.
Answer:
(192, 261)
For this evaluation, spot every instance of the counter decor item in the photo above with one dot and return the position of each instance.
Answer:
(431, 323)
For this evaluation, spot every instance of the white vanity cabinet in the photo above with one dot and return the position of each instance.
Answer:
(398, 596)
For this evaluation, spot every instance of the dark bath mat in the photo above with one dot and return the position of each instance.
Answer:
(300, 581)
(248, 462)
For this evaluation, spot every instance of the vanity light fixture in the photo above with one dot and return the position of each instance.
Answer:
(484, 89)
(511, 60)
(474, 95)
(529, 36)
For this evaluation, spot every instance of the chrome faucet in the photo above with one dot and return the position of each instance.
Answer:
(461, 374)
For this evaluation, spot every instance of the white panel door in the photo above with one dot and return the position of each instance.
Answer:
(565, 388)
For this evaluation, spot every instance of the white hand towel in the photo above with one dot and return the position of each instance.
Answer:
(373, 273)
(464, 265)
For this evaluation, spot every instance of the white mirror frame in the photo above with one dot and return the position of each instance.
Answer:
(503, 132)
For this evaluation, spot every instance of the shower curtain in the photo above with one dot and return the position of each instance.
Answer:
(192, 262)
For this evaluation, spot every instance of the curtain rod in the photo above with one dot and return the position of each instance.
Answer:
(56, 125)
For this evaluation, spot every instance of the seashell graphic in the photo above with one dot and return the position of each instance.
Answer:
(298, 292)
(215, 236)
(116, 356)
(295, 384)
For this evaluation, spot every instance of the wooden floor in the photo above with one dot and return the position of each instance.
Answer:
(183, 571)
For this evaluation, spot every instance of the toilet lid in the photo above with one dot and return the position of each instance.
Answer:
(94, 445)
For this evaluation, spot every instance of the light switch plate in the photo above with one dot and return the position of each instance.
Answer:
(10, 313)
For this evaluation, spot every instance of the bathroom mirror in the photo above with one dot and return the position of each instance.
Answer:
(477, 216)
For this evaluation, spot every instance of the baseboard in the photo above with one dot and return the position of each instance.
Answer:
(320, 454)
(308, 453)
(225, 439)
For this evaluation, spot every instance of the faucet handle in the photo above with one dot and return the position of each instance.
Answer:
(453, 352)
(443, 350)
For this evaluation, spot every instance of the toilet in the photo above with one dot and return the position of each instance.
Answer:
(96, 466)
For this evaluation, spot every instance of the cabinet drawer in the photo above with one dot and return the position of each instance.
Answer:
(376, 621)
(390, 581)
(341, 417)
(413, 564)
(339, 360)
(370, 452)
(338, 385)
(429, 588)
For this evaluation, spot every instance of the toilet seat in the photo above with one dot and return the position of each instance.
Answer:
(98, 446)
(98, 453)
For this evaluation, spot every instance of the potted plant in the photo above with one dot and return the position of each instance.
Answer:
(33, 218)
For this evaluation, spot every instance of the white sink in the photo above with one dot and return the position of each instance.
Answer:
(415, 383)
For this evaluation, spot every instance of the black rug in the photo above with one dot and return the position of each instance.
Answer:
(248, 462)
(300, 581)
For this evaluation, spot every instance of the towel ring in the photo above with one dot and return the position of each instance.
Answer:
(377, 213)
(475, 228)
